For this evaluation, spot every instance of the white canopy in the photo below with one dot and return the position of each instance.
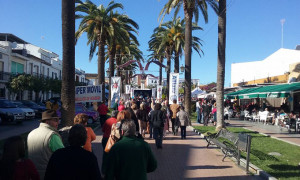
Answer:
(197, 91)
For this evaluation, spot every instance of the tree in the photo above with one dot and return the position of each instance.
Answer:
(121, 36)
(68, 63)
(19, 84)
(221, 64)
(96, 22)
(161, 43)
(34, 83)
(190, 7)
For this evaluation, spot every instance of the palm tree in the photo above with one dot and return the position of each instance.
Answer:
(68, 66)
(97, 23)
(221, 64)
(126, 53)
(170, 37)
(191, 8)
(177, 33)
(122, 34)
(161, 42)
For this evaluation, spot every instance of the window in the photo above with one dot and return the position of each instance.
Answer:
(17, 68)
(30, 68)
(1, 66)
(47, 72)
(36, 69)
(1, 56)
(2, 92)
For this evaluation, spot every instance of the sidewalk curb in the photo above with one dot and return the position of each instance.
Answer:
(254, 168)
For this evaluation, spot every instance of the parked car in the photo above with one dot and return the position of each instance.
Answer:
(80, 108)
(37, 109)
(29, 113)
(9, 113)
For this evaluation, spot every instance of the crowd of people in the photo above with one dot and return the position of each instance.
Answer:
(128, 157)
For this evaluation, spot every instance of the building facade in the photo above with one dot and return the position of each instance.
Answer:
(20, 57)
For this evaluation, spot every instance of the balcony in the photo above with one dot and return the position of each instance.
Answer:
(5, 76)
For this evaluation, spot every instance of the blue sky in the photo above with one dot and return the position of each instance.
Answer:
(253, 30)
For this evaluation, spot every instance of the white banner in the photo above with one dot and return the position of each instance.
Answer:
(153, 92)
(173, 87)
(88, 94)
(131, 93)
(128, 87)
(159, 92)
(115, 89)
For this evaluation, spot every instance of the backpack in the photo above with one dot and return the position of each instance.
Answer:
(157, 119)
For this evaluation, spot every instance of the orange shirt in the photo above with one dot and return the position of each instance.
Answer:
(91, 136)
(174, 108)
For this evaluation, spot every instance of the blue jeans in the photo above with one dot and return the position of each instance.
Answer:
(183, 132)
(158, 136)
(199, 115)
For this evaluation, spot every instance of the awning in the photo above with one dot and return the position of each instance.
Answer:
(274, 91)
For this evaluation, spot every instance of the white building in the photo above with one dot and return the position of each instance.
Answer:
(274, 65)
(152, 81)
(18, 56)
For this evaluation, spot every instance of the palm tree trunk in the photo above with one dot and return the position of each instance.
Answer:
(101, 65)
(160, 70)
(221, 64)
(168, 74)
(188, 60)
(176, 62)
(68, 64)
(111, 71)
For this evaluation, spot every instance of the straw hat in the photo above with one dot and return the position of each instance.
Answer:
(49, 114)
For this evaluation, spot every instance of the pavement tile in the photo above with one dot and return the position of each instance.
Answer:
(186, 159)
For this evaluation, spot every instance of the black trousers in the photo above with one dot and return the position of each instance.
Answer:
(183, 132)
(102, 119)
(205, 118)
(174, 128)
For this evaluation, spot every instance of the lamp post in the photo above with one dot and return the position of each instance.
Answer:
(182, 68)
(108, 73)
(109, 87)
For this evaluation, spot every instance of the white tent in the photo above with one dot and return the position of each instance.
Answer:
(197, 91)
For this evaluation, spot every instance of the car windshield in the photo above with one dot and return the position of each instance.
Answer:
(20, 105)
(29, 103)
(7, 104)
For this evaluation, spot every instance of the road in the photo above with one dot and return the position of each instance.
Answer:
(8, 130)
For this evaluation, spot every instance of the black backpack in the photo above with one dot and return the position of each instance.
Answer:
(157, 119)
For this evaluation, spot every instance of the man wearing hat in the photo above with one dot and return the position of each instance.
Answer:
(43, 141)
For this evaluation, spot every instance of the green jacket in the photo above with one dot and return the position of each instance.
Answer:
(130, 158)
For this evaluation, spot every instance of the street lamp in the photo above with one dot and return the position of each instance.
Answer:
(108, 72)
(182, 68)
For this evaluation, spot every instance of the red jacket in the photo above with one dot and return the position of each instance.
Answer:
(102, 109)
(106, 128)
(121, 107)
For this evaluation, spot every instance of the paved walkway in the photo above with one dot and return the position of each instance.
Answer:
(271, 130)
(186, 159)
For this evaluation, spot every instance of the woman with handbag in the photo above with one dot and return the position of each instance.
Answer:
(115, 136)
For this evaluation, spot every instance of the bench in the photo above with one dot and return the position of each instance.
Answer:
(231, 144)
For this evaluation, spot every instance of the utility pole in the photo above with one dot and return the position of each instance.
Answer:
(282, 21)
